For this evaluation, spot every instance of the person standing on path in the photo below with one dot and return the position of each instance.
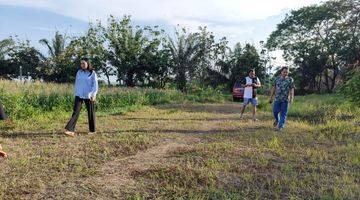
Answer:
(250, 83)
(283, 90)
(86, 88)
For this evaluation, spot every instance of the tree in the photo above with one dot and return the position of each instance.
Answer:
(322, 41)
(185, 55)
(241, 60)
(59, 66)
(6, 46)
(157, 68)
(348, 36)
(128, 48)
(92, 45)
(193, 56)
(27, 57)
(213, 53)
(155, 59)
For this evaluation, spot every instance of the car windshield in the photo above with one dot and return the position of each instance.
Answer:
(237, 84)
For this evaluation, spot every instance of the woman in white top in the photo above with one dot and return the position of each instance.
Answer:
(86, 88)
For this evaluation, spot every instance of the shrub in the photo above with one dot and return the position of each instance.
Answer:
(23, 101)
(352, 89)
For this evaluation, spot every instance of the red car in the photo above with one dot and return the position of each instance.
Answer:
(238, 92)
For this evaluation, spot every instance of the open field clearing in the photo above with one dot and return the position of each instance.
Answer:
(186, 151)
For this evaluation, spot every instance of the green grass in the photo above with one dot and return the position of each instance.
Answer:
(176, 148)
(29, 100)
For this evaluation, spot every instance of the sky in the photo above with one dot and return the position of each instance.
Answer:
(173, 11)
(237, 20)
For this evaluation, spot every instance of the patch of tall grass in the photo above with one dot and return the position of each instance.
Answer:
(331, 116)
(24, 100)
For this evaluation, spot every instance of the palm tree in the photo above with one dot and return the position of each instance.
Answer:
(58, 64)
(185, 53)
(58, 45)
(127, 47)
(5, 46)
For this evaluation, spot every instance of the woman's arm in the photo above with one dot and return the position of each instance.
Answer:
(94, 86)
(76, 82)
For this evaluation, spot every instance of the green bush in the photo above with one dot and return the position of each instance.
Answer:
(205, 95)
(27, 100)
(322, 108)
(338, 130)
(352, 89)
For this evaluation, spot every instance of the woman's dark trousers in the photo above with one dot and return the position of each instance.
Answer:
(76, 112)
(2, 113)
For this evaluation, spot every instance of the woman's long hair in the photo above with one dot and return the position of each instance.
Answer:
(89, 68)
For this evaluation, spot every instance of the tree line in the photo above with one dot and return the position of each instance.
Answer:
(321, 42)
(137, 56)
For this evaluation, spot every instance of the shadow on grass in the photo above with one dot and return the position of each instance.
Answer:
(184, 119)
(233, 108)
(58, 134)
(30, 134)
(180, 131)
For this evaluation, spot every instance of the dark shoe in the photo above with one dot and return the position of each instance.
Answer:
(275, 124)
(279, 129)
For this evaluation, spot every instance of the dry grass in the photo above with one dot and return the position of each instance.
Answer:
(183, 151)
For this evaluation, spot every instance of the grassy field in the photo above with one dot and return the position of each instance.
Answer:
(179, 148)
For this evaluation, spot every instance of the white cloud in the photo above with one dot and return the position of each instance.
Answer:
(223, 17)
(185, 12)
(224, 10)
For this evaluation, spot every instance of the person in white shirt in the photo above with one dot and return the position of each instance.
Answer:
(250, 84)
(86, 88)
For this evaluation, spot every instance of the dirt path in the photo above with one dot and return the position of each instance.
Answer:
(176, 127)
(183, 128)
(184, 131)
(116, 175)
(178, 151)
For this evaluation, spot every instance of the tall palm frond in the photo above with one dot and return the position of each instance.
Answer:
(57, 45)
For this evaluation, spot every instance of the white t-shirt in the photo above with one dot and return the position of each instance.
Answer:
(248, 91)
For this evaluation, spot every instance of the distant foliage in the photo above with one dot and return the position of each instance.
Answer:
(25, 101)
(144, 56)
(352, 89)
(322, 42)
